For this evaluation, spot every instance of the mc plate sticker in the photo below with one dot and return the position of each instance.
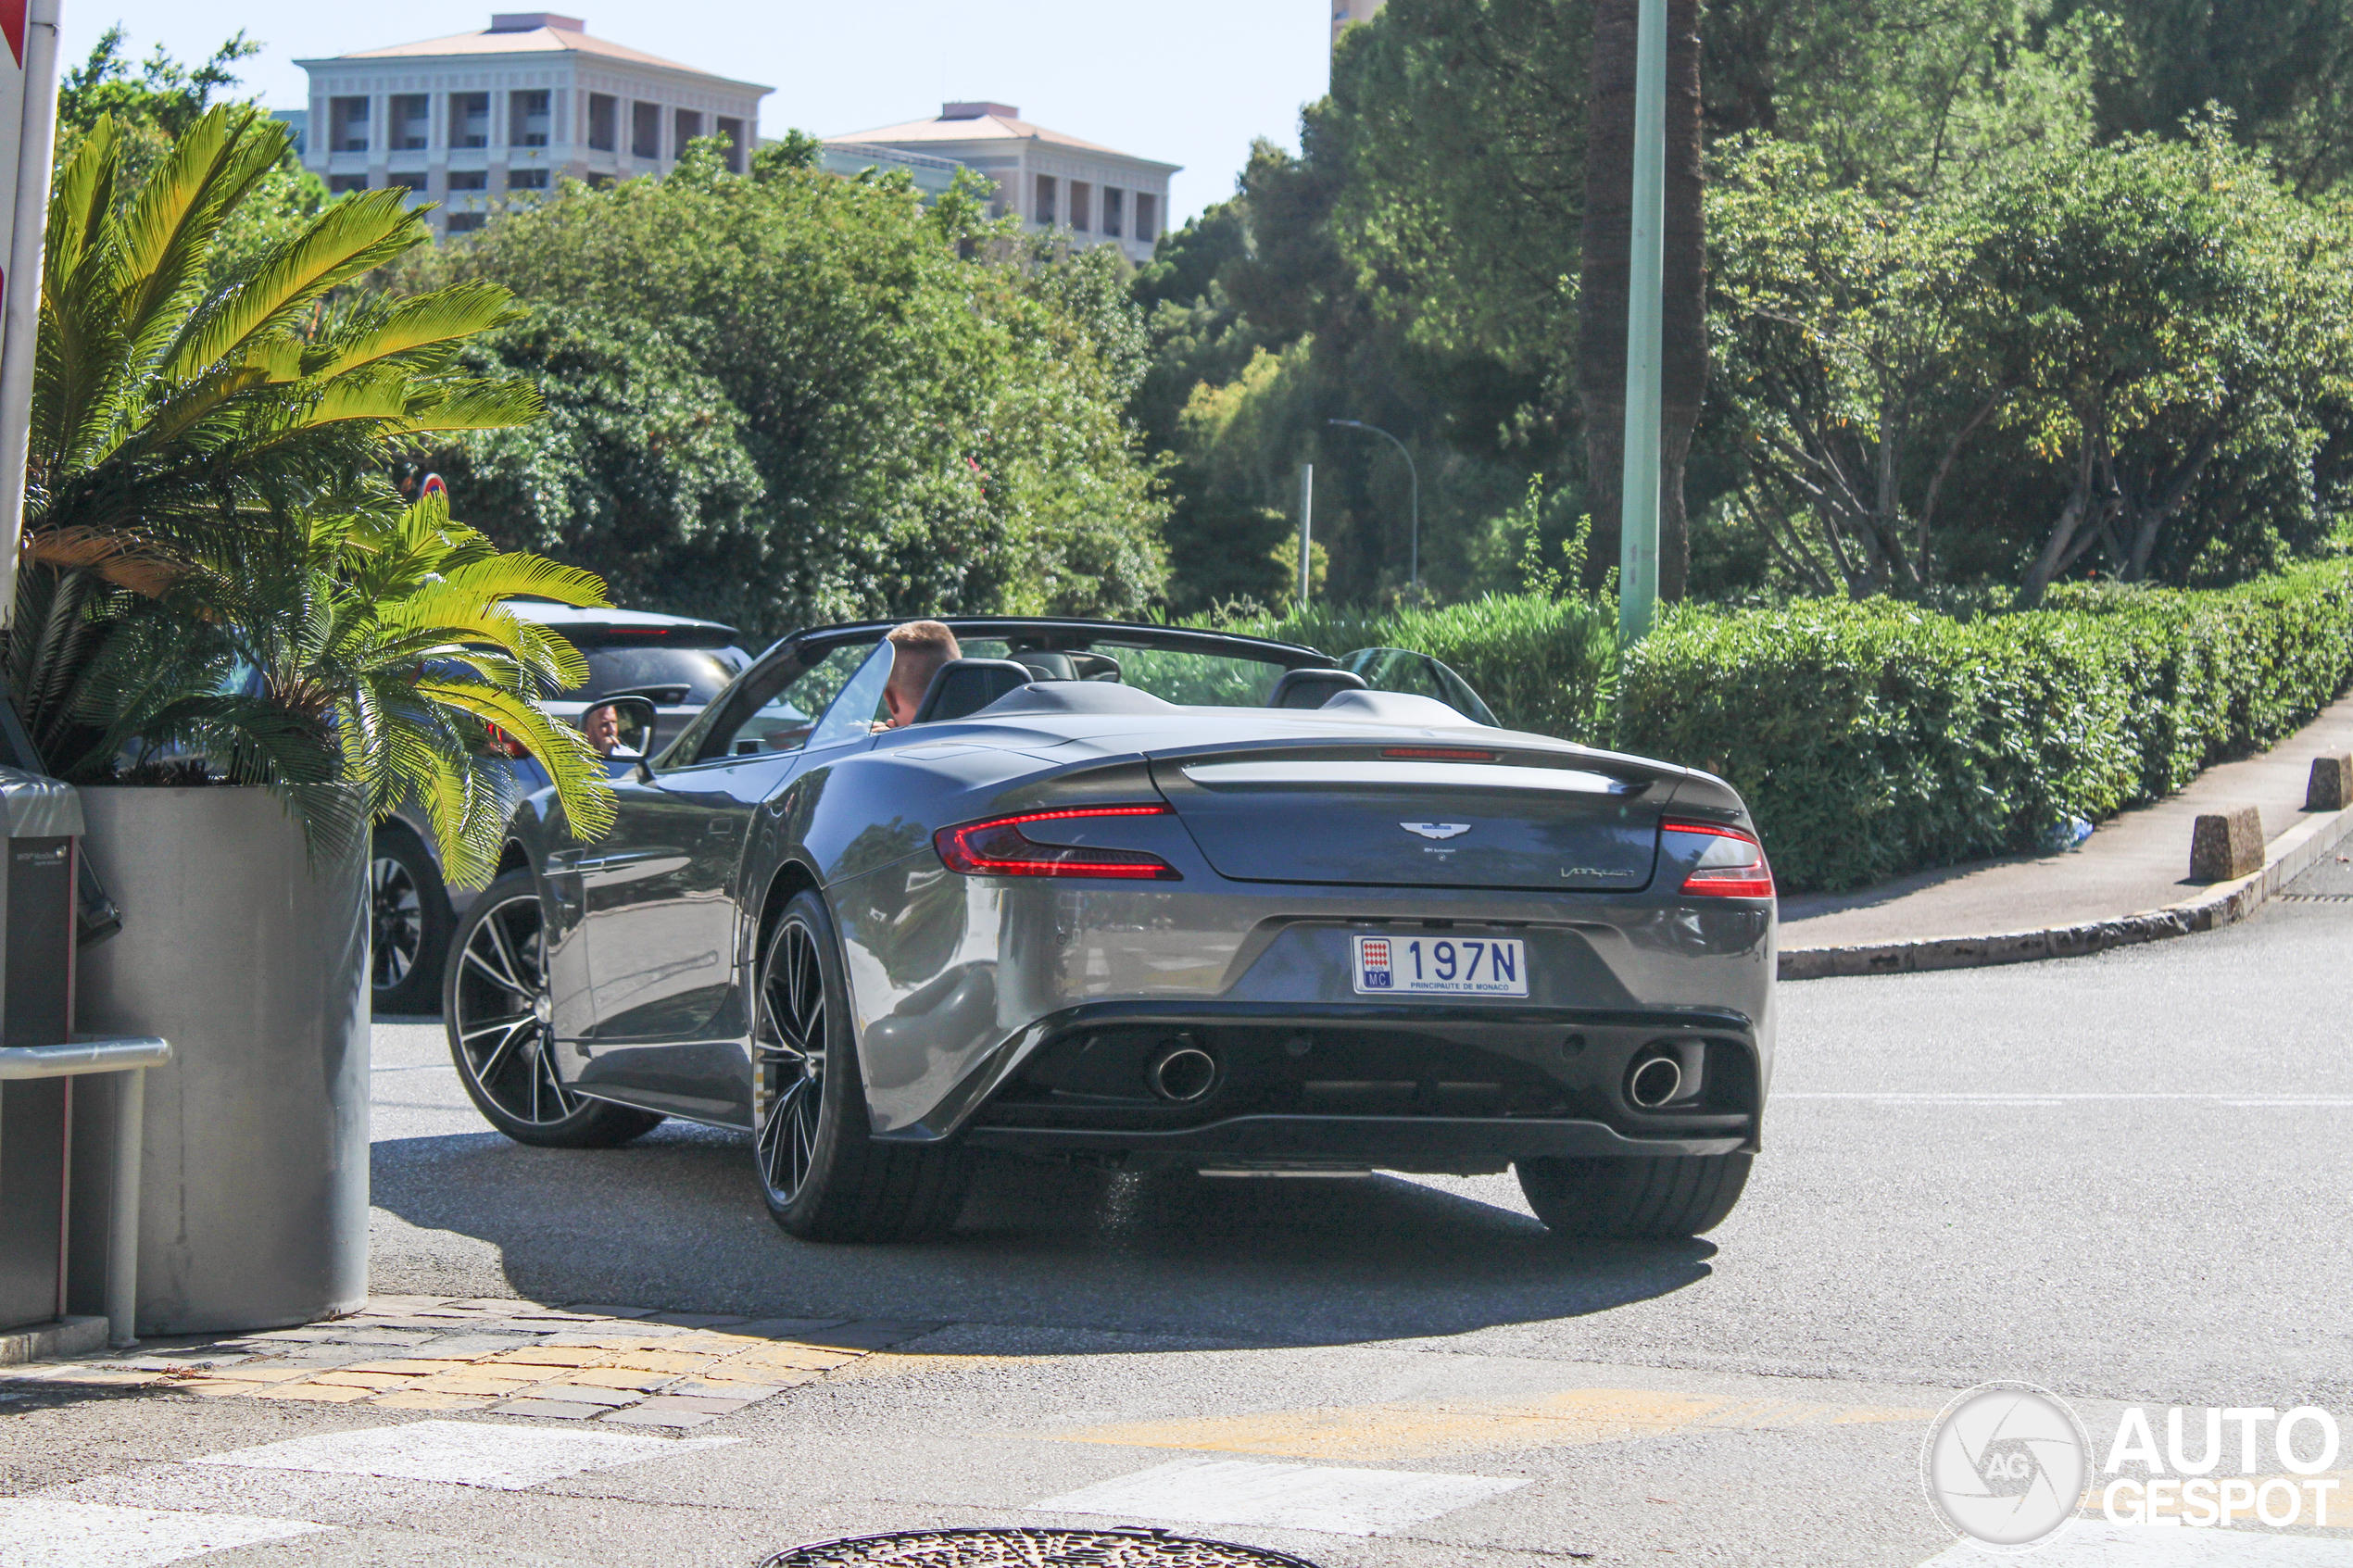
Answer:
(1446, 966)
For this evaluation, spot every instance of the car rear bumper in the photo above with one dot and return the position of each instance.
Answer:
(1434, 1086)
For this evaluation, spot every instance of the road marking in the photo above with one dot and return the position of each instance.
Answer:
(1296, 1497)
(1896, 1097)
(38, 1533)
(506, 1458)
(1425, 1429)
(2103, 1546)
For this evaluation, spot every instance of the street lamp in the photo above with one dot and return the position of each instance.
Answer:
(1411, 473)
(1645, 284)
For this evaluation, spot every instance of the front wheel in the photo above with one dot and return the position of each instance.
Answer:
(496, 1006)
(1651, 1197)
(821, 1172)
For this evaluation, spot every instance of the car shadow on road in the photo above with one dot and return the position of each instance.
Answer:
(676, 1222)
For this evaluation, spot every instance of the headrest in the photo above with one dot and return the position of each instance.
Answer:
(1312, 688)
(1048, 664)
(967, 685)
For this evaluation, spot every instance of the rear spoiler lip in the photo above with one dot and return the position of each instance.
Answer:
(1513, 749)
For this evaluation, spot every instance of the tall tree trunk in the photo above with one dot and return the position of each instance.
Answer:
(1608, 239)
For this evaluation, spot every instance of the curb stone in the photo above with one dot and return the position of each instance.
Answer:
(2287, 858)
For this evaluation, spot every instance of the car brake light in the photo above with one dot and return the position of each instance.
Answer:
(999, 847)
(1441, 753)
(504, 744)
(1732, 866)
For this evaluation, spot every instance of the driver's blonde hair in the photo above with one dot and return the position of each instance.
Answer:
(917, 650)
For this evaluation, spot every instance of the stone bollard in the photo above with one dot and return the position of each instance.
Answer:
(2226, 846)
(2332, 785)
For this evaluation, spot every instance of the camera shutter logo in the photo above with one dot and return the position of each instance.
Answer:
(2004, 1465)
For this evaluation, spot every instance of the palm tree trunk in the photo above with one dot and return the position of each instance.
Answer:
(1608, 240)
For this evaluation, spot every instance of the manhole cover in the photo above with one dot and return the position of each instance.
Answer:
(1033, 1549)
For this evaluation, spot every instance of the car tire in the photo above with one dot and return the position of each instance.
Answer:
(1651, 1197)
(823, 1176)
(409, 923)
(495, 1005)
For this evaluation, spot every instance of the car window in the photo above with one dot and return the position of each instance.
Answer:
(1181, 675)
(786, 718)
(852, 713)
(673, 677)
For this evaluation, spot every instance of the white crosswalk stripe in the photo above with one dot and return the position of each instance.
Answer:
(1297, 1497)
(466, 1454)
(35, 1533)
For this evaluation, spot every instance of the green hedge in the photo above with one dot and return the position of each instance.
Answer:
(1543, 664)
(1876, 739)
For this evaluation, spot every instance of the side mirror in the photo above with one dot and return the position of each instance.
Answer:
(620, 727)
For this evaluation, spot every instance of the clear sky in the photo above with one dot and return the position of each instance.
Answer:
(1188, 81)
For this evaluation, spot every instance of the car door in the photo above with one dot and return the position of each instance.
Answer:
(659, 893)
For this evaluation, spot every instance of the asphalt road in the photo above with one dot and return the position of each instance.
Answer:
(2121, 1177)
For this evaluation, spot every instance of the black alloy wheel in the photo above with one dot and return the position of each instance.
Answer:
(823, 1176)
(498, 1011)
(408, 923)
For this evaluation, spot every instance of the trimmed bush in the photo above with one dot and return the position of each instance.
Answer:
(1875, 739)
(1543, 664)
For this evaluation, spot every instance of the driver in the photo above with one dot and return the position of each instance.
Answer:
(601, 724)
(917, 650)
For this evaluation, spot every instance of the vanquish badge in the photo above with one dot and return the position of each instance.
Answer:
(1437, 830)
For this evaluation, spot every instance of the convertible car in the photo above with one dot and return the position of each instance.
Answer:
(1138, 896)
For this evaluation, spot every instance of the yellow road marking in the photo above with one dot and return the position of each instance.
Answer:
(1422, 1429)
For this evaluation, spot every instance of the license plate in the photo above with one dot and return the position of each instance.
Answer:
(1442, 966)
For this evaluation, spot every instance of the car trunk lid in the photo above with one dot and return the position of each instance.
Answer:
(1420, 816)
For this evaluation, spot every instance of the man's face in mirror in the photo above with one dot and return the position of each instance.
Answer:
(602, 726)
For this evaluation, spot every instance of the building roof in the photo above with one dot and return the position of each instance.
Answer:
(981, 122)
(553, 35)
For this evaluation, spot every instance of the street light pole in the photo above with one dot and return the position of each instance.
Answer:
(1646, 282)
(1414, 572)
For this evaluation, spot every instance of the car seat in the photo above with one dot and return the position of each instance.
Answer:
(967, 685)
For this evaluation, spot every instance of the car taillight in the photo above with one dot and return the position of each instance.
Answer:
(504, 744)
(1441, 753)
(1732, 866)
(999, 847)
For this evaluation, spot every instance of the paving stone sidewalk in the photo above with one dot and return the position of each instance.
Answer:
(617, 1366)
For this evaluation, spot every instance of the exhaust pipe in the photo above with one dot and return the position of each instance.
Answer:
(1182, 1073)
(1654, 1081)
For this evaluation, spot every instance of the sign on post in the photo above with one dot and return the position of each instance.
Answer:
(28, 140)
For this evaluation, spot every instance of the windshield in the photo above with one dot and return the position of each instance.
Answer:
(673, 677)
(1194, 680)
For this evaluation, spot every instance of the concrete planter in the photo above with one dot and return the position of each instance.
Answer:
(253, 962)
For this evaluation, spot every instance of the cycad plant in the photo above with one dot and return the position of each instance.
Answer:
(214, 565)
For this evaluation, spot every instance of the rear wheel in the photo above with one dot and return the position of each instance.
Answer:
(1649, 1195)
(408, 922)
(496, 1007)
(823, 1174)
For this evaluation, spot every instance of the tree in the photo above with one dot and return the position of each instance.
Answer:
(165, 97)
(919, 432)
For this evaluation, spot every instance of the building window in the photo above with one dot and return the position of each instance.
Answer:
(469, 180)
(689, 126)
(732, 132)
(527, 117)
(1147, 217)
(1081, 198)
(645, 131)
(412, 123)
(526, 179)
(344, 185)
(346, 125)
(404, 183)
(463, 222)
(470, 119)
(600, 182)
(1044, 210)
(604, 122)
(1115, 210)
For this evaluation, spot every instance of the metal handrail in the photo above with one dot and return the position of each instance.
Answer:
(91, 1054)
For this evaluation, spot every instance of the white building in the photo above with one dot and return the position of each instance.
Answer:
(1053, 181)
(1347, 11)
(533, 99)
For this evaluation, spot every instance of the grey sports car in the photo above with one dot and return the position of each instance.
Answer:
(1137, 896)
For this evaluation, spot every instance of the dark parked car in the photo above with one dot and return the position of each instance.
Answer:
(1138, 896)
(675, 662)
